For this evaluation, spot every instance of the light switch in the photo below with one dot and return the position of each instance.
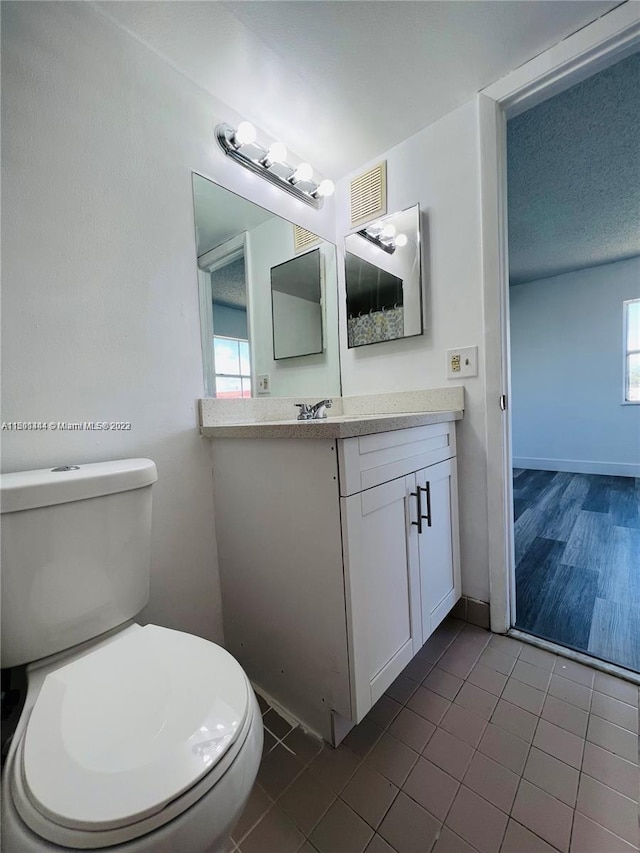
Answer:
(264, 383)
(462, 362)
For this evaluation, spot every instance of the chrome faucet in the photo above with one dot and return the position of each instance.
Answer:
(316, 412)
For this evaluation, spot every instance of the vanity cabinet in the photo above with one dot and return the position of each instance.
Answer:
(329, 584)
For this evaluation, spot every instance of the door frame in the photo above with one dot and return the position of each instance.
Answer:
(610, 39)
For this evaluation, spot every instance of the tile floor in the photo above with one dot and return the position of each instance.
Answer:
(482, 744)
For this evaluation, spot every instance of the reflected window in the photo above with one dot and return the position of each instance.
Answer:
(632, 350)
(233, 368)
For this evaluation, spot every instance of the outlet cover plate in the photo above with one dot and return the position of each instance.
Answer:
(462, 362)
(263, 383)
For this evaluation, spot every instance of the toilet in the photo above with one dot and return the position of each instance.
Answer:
(132, 738)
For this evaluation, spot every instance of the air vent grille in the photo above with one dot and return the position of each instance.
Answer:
(369, 195)
(303, 239)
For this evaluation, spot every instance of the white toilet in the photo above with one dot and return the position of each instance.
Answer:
(131, 738)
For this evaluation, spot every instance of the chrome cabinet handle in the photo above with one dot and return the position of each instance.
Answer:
(427, 491)
(418, 523)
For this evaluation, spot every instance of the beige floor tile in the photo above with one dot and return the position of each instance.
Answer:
(477, 700)
(412, 729)
(306, 801)
(477, 821)
(616, 687)
(428, 704)
(459, 661)
(559, 743)
(538, 657)
(278, 770)
(402, 689)
(574, 671)
(417, 670)
(613, 738)
(608, 808)
(369, 794)
(274, 832)
(494, 659)
(570, 691)
(392, 758)
(488, 679)
(340, 831)
(518, 839)
(431, 787)
(442, 683)
(553, 776)
(434, 648)
(464, 725)
(515, 720)
(532, 675)
(492, 781)
(449, 753)
(407, 827)
(505, 748)
(449, 842)
(363, 737)
(610, 769)
(590, 837)
(617, 712)
(379, 845)
(258, 804)
(543, 815)
(384, 712)
(524, 696)
(565, 716)
(505, 645)
(334, 767)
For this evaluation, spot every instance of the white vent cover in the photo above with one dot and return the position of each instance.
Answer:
(303, 239)
(369, 195)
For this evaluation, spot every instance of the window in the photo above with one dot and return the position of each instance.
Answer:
(632, 351)
(233, 369)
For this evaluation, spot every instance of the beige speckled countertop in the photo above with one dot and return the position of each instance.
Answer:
(340, 426)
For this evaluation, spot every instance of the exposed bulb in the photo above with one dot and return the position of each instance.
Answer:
(245, 134)
(388, 231)
(375, 227)
(401, 240)
(304, 172)
(325, 189)
(277, 153)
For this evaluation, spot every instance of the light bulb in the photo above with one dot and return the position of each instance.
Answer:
(325, 189)
(304, 172)
(277, 153)
(389, 230)
(245, 134)
(375, 227)
(401, 240)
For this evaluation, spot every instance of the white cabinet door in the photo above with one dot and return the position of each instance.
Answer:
(382, 586)
(438, 543)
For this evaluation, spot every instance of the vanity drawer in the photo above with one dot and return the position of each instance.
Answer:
(369, 460)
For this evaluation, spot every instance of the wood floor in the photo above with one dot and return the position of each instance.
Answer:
(577, 542)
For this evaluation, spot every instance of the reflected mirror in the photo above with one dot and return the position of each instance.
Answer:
(268, 300)
(383, 280)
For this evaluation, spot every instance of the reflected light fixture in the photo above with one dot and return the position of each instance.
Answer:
(271, 163)
(385, 237)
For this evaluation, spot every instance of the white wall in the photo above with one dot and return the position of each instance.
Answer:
(100, 294)
(567, 372)
(439, 169)
(271, 243)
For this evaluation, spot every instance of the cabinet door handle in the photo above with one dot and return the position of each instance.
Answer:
(427, 491)
(418, 523)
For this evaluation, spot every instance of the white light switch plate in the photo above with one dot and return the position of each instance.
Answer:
(462, 362)
(264, 383)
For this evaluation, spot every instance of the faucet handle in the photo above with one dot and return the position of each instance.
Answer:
(305, 411)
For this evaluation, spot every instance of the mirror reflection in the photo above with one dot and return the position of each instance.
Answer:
(383, 280)
(268, 300)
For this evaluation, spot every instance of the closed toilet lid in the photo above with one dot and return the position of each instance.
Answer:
(117, 734)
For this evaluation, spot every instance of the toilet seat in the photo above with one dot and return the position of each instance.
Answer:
(98, 765)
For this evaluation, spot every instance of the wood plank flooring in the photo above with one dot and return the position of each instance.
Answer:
(577, 543)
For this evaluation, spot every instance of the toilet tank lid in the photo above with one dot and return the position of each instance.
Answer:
(64, 484)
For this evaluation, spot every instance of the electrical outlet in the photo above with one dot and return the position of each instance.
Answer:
(264, 383)
(462, 362)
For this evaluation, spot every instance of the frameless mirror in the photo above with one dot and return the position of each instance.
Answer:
(268, 312)
(383, 280)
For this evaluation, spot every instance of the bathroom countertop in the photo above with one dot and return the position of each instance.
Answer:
(340, 426)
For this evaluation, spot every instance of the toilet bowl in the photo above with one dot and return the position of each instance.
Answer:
(141, 738)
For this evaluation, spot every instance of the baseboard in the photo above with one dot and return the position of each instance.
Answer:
(472, 611)
(578, 466)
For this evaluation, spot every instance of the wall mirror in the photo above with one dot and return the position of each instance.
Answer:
(268, 300)
(384, 280)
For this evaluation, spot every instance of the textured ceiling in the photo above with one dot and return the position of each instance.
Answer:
(574, 177)
(339, 82)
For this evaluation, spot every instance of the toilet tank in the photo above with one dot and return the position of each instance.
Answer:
(75, 548)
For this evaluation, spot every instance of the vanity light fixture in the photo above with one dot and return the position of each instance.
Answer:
(270, 163)
(384, 237)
